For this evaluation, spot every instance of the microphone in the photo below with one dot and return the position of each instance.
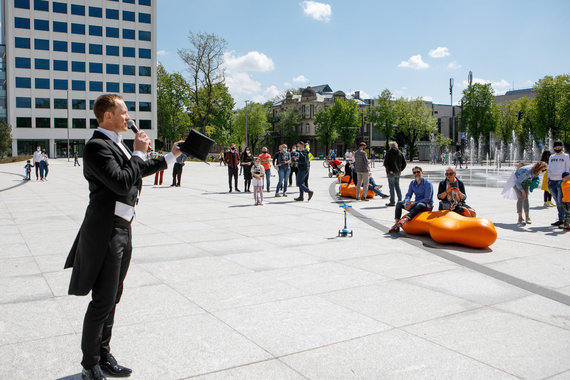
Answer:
(132, 126)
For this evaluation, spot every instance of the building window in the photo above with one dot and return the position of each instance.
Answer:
(144, 18)
(112, 68)
(144, 35)
(60, 104)
(144, 106)
(95, 67)
(93, 124)
(78, 123)
(78, 85)
(41, 64)
(95, 30)
(112, 32)
(128, 16)
(60, 84)
(59, 65)
(131, 106)
(78, 10)
(91, 103)
(41, 24)
(307, 128)
(78, 104)
(42, 122)
(144, 88)
(128, 70)
(60, 122)
(144, 2)
(95, 86)
(59, 7)
(129, 88)
(128, 52)
(77, 28)
(129, 34)
(23, 63)
(113, 87)
(112, 50)
(22, 82)
(145, 124)
(42, 83)
(95, 12)
(40, 44)
(144, 53)
(23, 122)
(59, 27)
(78, 66)
(60, 46)
(41, 5)
(112, 13)
(22, 102)
(129, 1)
(42, 103)
(95, 49)
(22, 4)
(144, 71)
(21, 23)
(78, 47)
(22, 43)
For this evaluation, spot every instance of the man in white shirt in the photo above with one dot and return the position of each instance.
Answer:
(37, 159)
(558, 163)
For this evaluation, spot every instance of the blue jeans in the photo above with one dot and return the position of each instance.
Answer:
(556, 191)
(301, 175)
(394, 186)
(418, 207)
(283, 178)
(268, 177)
(371, 184)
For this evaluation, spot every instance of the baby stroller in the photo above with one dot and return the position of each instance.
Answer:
(335, 168)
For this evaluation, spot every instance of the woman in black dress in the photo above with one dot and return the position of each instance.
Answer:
(246, 162)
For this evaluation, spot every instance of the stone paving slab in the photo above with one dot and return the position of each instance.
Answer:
(221, 289)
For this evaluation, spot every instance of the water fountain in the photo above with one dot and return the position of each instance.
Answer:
(471, 150)
(549, 143)
(479, 150)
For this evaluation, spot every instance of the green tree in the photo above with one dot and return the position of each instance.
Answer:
(506, 120)
(5, 139)
(345, 121)
(414, 121)
(442, 141)
(552, 104)
(219, 121)
(478, 110)
(382, 115)
(325, 131)
(287, 125)
(204, 61)
(257, 124)
(173, 95)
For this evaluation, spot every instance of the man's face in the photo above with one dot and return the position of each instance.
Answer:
(116, 121)
(558, 149)
(417, 173)
(264, 150)
(450, 175)
(38, 148)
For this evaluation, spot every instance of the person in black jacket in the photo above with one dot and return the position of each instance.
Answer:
(101, 252)
(304, 165)
(395, 163)
(451, 193)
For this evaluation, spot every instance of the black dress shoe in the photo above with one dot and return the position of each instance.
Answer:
(299, 199)
(92, 374)
(557, 223)
(109, 364)
(310, 195)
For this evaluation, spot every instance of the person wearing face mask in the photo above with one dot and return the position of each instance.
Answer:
(283, 162)
(232, 161)
(266, 163)
(304, 167)
(294, 165)
(558, 163)
(37, 159)
(422, 189)
(246, 162)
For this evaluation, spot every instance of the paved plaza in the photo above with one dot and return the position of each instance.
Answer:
(221, 289)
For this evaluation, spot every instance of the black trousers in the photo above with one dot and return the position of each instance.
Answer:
(106, 294)
(176, 174)
(295, 170)
(232, 172)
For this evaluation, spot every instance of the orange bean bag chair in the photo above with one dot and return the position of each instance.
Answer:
(349, 190)
(343, 179)
(450, 227)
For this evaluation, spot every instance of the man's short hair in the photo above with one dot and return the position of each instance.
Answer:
(362, 144)
(558, 143)
(105, 103)
(393, 145)
(301, 143)
(417, 167)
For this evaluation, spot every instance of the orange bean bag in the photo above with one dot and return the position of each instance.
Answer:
(450, 227)
(347, 190)
(343, 179)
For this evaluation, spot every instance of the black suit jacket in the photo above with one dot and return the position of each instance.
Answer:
(112, 177)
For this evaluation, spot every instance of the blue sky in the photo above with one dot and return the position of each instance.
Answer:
(410, 47)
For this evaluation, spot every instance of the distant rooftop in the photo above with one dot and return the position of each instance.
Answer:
(520, 92)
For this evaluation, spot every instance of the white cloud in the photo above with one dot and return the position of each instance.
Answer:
(500, 87)
(287, 84)
(363, 94)
(268, 94)
(415, 62)
(439, 52)
(242, 84)
(161, 52)
(301, 79)
(427, 98)
(453, 65)
(252, 61)
(316, 10)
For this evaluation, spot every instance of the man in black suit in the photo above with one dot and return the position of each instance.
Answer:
(101, 253)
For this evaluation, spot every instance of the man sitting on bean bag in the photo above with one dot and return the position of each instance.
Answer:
(451, 193)
(423, 191)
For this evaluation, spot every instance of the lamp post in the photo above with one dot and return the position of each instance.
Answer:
(246, 143)
(452, 111)
(68, 125)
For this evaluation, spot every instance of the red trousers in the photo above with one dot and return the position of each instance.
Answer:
(158, 177)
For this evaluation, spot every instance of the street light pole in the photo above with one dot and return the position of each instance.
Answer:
(452, 112)
(246, 143)
(68, 125)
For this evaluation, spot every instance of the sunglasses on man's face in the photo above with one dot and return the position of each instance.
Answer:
(416, 172)
(449, 174)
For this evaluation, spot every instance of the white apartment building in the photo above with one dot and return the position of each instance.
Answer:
(61, 55)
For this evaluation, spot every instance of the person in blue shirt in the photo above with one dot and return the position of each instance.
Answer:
(423, 191)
